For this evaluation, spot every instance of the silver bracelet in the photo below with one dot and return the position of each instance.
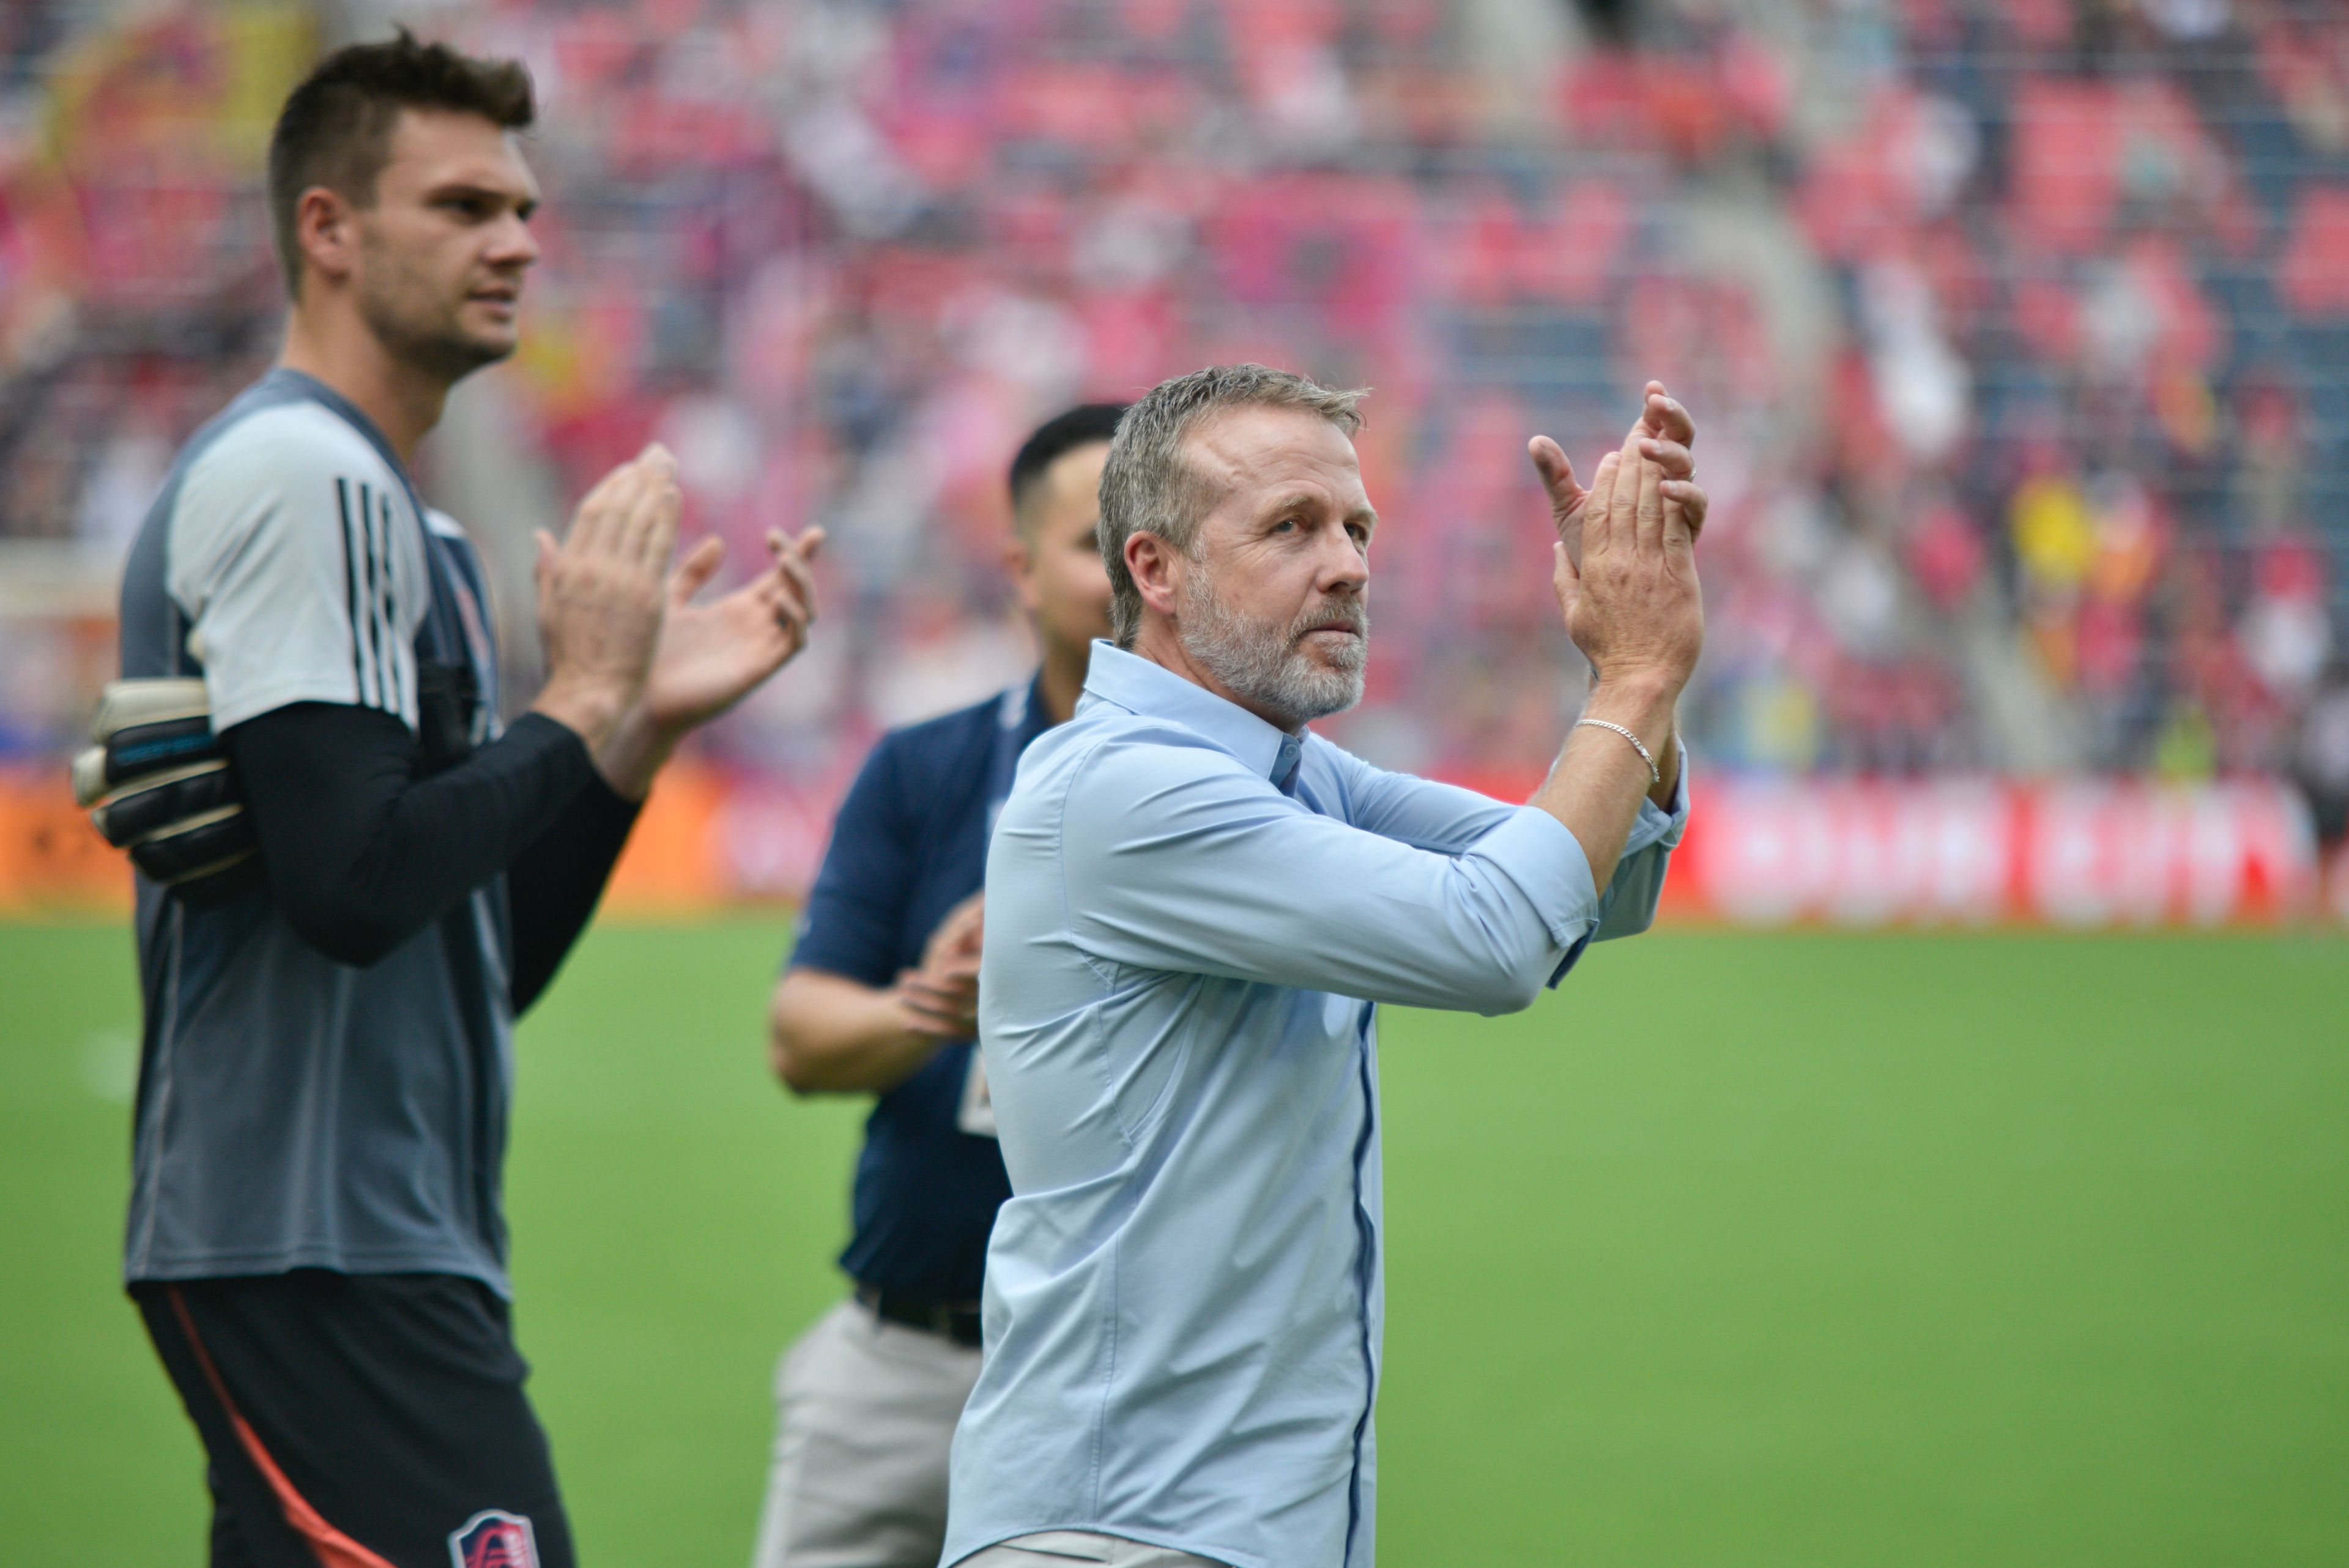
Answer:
(1655, 773)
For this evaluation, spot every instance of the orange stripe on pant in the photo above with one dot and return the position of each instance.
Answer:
(331, 1546)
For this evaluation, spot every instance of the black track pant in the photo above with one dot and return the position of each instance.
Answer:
(360, 1421)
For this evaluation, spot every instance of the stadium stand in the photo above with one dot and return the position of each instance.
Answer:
(2020, 328)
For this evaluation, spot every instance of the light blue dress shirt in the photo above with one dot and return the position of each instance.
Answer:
(1190, 917)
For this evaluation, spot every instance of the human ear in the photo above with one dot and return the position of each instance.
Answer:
(1151, 563)
(323, 225)
(1019, 563)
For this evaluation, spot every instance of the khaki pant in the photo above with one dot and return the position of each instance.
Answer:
(1059, 1548)
(865, 1415)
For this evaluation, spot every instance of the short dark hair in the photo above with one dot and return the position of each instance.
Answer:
(336, 128)
(1056, 437)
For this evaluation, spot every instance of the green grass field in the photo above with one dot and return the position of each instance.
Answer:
(1803, 1249)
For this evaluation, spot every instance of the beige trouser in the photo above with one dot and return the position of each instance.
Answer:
(1059, 1548)
(865, 1415)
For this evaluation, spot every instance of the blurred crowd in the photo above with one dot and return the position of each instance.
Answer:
(2018, 330)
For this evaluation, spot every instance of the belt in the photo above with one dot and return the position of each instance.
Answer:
(949, 1320)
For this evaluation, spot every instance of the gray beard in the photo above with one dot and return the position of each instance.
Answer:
(1265, 664)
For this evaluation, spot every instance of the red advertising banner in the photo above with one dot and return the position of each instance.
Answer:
(1944, 852)
(1974, 851)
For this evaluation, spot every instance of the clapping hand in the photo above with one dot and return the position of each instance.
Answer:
(940, 998)
(599, 596)
(1625, 569)
(712, 656)
(1665, 435)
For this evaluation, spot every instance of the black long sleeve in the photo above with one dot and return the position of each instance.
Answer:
(362, 853)
(555, 884)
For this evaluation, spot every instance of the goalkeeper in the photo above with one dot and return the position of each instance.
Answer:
(316, 1238)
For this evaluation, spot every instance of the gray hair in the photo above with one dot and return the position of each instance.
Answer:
(1149, 487)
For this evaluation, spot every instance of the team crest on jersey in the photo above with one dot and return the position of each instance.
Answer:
(493, 1539)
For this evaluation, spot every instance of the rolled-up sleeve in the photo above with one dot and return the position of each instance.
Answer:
(1447, 818)
(1179, 858)
(1629, 905)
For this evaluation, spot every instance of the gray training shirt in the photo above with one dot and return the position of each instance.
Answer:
(294, 1112)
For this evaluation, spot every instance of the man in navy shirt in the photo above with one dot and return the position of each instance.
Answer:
(882, 997)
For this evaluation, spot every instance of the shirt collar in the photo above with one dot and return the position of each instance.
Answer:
(1128, 681)
(302, 383)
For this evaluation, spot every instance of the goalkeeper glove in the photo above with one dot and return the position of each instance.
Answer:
(158, 783)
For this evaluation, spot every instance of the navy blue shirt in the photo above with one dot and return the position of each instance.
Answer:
(909, 844)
